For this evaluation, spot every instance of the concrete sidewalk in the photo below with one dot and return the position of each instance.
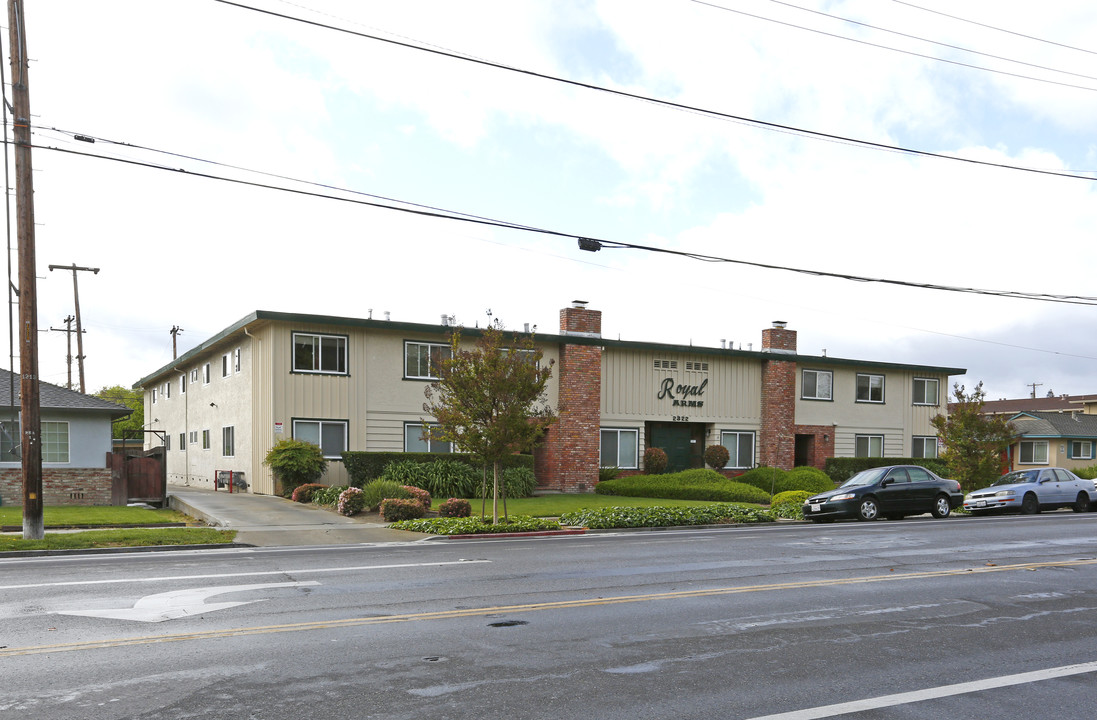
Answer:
(268, 520)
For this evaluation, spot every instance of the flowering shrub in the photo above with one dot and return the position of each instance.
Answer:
(419, 494)
(396, 509)
(455, 508)
(655, 460)
(716, 456)
(328, 496)
(304, 493)
(351, 502)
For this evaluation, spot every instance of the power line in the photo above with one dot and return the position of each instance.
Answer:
(892, 49)
(665, 103)
(997, 29)
(594, 244)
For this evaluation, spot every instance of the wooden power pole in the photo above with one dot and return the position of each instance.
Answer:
(79, 327)
(68, 332)
(30, 422)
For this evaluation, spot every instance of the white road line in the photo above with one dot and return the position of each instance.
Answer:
(827, 711)
(300, 571)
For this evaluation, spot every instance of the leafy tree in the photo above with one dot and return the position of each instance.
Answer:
(490, 400)
(974, 442)
(132, 427)
(295, 462)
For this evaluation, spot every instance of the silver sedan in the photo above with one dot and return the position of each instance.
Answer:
(1030, 491)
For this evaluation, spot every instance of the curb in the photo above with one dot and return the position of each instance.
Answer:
(532, 533)
(118, 550)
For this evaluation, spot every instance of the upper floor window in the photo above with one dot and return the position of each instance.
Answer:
(236, 360)
(870, 388)
(925, 391)
(226, 365)
(817, 385)
(314, 353)
(194, 375)
(205, 374)
(155, 394)
(421, 359)
(182, 383)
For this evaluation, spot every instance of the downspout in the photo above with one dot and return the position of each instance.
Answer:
(186, 431)
(258, 343)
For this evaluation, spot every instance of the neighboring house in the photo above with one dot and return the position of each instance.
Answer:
(357, 384)
(1050, 403)
(1062, 439)
(76, 440)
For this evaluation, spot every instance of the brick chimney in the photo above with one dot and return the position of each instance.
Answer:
(569, 457)
(777, 436)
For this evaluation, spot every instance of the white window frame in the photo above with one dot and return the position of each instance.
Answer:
(205, 440)
(735, 458)
(50, 431)
(167, 390)
(416, 373)
(226, 365)
(319, 354)
(926, 383)
(193, 437)
(236, 360)
(228, 441)
(868, 439)
(206, 374)
(1085, 447)
(182, 441)
(869, 399)
(418, 427)
(631, 436)
(1034, 446)
(183, 384)
(193, 376)
(155, 394)
(320, 426)
(817, 375)
(927, 441)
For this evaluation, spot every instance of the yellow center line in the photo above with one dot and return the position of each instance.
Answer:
(531, 607)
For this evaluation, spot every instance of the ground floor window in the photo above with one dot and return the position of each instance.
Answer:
(740, 447)
(869, 446)
(228, 441)
(619, 448)
(55, 441)
(205, 440)
(924, 447)
(330, 435)
(415, 442)
(1081, 449)
(1034, 452)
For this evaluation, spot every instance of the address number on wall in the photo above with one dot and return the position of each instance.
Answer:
(680, 418)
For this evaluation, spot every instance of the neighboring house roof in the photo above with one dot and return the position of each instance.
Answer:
(239, 328)
(1040, 404)
(1054, 425)
(54, 397)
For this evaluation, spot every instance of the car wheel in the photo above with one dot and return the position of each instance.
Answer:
(868, 509)
(1081, 504)
(941, 507)
(1030, 505)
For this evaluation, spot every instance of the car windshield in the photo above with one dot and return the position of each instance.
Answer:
(1021, 476)
(866, 477)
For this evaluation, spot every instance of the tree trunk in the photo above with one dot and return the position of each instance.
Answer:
(495, 495)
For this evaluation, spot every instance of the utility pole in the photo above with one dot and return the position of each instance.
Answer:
(1034, 386)
(68, 358)
(175, 330)
(30, 422)
(79, 328)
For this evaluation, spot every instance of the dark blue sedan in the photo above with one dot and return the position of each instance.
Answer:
(894, 492)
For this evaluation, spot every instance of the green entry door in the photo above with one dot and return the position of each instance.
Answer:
(675, 441)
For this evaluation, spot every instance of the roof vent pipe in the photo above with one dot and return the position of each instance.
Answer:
(388, 315)
(723, 343)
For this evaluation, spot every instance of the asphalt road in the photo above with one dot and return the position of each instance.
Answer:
(960, 618)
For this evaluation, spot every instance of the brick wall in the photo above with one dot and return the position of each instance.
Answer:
(568, 459)
(823, 447)
(60, 486)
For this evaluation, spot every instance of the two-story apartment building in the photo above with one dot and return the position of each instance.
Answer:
(357, 384)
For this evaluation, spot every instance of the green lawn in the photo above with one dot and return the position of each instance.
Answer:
(117, 536)
(556, 505)
(84, 516)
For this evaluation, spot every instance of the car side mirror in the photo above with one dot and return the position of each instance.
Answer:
(886, 482)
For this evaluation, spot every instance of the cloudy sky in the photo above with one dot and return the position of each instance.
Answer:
(223, 91)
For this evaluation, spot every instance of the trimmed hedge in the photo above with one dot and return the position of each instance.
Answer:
(475, 525)
(621, 517)
(810, 479)
(842, 469)
(790, 504)
(397, 509)
(698, 484)
(362, 467)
